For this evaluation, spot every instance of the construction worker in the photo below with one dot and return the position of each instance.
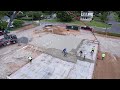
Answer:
(93, 49)
(64, 51)
(84, 55)
(81, 53)
(30, 59)
(103, 56)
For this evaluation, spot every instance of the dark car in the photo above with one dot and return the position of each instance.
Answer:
(48, 25)
(86, 28)
(9, 39)
(73, 27)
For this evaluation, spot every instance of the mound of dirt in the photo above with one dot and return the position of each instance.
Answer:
(60, 30)
(107, 68)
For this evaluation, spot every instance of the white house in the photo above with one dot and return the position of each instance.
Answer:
(86, 15)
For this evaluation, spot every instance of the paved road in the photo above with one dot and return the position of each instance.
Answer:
(115, 27)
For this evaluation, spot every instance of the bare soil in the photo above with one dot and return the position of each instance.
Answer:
(26, 27)
(60, 30)
(109, 68)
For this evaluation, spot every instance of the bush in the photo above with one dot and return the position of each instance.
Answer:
(63, 16)
(26, 19)
(20, 16)
(3, 25)
(35, 14)
(18, 23)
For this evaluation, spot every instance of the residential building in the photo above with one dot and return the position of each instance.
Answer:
(86, 15)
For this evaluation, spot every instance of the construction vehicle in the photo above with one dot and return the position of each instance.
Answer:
(9, 39)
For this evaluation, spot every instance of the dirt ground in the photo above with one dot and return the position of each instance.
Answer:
(109, 68)
(26, 27)
(60, 30)
(104, 69)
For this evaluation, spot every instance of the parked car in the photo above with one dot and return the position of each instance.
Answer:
(73, 27)
(49, 25)
(9, 39)
(86, 28)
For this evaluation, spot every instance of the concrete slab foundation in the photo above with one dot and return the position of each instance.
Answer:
(48, 67)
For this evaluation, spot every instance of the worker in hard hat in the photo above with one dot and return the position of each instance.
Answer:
(103, 56)
(30, 59)
(64, 51)
(81, 53)
(93, 49)
(84, 56)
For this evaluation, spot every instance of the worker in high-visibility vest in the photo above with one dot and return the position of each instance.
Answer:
(103, 56)
(92, 51)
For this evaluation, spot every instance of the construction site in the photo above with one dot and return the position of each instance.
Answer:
(45, 44)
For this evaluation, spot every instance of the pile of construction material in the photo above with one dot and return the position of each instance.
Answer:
(60, 30)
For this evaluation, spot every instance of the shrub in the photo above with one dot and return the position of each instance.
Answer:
(36, 15)
(18, 23)
(20, 16)
(3, 25)
(63, 16)
(26, 18)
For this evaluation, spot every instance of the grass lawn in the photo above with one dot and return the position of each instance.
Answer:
(92, 23)
(52, 21)
(26, 19)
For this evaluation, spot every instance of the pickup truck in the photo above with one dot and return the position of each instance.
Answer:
(86, 28)
(9, 39)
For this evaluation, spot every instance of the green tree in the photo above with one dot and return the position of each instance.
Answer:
(18, 23)
(118, 13)
(3, 25)
(63, 16)
(3, 13)
(35, 14)
(103, 16)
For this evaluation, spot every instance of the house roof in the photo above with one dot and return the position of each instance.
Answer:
(85, 16)
(87, 11)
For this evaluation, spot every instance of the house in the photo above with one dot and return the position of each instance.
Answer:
(86, 15)
(7, 19)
